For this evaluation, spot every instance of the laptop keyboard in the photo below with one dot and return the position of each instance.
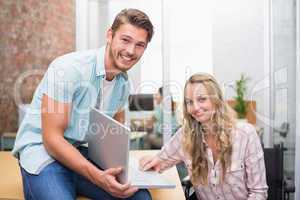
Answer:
(137, 176)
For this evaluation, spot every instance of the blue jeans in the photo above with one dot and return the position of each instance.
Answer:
(58, 182)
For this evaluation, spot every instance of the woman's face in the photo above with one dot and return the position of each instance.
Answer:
(198, 103)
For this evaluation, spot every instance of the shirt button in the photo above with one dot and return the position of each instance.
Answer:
(214, 185)
(218, 197)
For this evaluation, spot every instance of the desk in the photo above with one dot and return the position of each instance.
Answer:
(11, 180)
(171, 174)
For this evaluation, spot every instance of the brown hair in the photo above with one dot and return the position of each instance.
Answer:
(134, 17)
(193, 131)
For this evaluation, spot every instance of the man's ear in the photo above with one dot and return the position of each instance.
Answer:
(109, 35)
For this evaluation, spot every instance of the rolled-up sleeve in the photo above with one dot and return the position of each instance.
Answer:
(60, 83)
(255, 167)
(172, 153)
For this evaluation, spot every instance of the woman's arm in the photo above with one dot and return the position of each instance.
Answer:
(255, 168)
(170, 154)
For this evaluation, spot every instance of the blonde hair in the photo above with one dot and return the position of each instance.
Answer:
(193, 131)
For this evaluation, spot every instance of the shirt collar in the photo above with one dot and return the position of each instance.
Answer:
(100, 69)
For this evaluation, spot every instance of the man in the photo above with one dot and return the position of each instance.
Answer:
(53, 163)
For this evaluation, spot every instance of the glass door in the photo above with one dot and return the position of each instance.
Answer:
(283, 76)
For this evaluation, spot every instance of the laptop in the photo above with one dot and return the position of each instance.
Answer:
(108, 144)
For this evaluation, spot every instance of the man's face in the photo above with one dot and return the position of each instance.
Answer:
(126, 46)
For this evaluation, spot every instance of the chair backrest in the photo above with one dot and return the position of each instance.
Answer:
(274, 171)
(139, 102)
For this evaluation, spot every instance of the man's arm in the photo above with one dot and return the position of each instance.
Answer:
(55, 119)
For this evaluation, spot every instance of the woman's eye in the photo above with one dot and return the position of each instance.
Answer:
(202, 99)
(188, 103)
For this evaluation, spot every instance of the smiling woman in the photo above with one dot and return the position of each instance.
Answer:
(220, 154)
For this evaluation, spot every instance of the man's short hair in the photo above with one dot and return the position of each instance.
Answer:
(134, 17)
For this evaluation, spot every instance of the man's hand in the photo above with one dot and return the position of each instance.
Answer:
(107, 181)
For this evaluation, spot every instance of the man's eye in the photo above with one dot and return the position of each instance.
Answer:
(141, 45)
(125, 40)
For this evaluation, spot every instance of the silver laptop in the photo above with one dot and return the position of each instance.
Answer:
(108, 144)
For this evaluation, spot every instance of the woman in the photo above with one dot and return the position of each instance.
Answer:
(224, 158)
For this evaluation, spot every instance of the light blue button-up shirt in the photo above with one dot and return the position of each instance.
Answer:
(73, 78)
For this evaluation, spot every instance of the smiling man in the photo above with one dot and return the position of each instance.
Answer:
(53, 163)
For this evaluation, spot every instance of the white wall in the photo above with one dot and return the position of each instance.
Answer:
(297, 145)
(239, 47)
(238, 40)
(97, 22)
(91, 23)
(190, 30)
(81, 25)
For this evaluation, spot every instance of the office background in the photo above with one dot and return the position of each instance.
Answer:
(254, 37)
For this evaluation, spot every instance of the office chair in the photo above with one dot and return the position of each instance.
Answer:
(289, 187)
(187, 185)
(274, 171)
(280, 187)
(141, 102)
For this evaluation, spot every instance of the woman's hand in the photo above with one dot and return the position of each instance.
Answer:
(151, 162)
